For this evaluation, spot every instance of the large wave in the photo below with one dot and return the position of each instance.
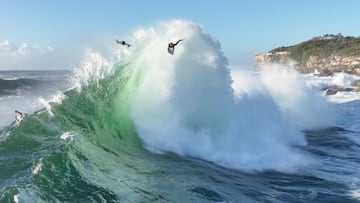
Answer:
(185, 103)
(192, 104)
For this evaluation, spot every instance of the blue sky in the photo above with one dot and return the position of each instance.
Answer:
(243, 27)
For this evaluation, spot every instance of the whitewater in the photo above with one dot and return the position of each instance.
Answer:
(140, 125)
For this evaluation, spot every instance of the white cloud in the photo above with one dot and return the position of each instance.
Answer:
(10, 49)
(7, 47)
(26, 56)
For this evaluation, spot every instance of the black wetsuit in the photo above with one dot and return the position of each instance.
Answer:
(122, 42)
(171, 46)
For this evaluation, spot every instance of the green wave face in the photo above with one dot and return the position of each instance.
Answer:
(102, 159)
(98, 129)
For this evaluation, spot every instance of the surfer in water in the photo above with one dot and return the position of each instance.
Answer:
(171, 46)
(122, 43)
(18, 116)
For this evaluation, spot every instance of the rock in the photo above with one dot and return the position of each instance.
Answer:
(335, 89)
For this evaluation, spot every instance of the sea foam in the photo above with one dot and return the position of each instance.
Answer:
(187, 103)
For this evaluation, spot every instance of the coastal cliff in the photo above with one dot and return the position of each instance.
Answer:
(325, 55)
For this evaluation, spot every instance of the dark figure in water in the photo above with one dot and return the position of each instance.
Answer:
(122, 43)
(171, 46)
(18, 116)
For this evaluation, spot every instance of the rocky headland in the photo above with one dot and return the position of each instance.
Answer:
(323, 55)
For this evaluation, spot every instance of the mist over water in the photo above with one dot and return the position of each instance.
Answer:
(304, 107)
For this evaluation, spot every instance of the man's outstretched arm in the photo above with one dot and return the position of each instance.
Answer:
(178, 42)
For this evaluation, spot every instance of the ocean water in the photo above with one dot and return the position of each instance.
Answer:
(28, 91)
(140, 125)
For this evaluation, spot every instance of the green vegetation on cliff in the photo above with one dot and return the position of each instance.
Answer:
(324, 46)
